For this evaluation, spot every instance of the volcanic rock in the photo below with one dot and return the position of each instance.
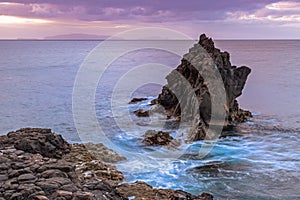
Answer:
(135, 100)
(153, 138)
(77, 173)
(205, 58)
(142, 113)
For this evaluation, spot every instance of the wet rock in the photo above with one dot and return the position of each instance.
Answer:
(152, 138)
(141, 190)
(240, 115)
(142, 113)
(206, 196)
(234, 79)
(135, 100)
(100, 152)
(153, 102)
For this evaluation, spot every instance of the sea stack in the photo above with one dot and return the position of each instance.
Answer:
(234, 79)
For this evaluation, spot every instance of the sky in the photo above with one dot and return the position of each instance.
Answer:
(227, 19)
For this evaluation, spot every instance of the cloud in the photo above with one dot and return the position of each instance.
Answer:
(135, 10)
(284, 6)
(224, 19)
(285, 13)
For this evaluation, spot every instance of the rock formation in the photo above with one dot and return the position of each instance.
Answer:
(142, 113)
(135, 100)
(234, 79)
(153, 138)
(36, 164)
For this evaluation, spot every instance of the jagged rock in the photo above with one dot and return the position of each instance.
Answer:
(40, 141)
(234, 79)
(63, 194)
(27, 178)
(142, 113)
(40, 197)
(100, 152)
(152, 138)
(153, 102)
(140, 190)
(102, 188)
(135, 100)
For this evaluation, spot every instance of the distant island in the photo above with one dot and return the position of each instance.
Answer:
(77, 36)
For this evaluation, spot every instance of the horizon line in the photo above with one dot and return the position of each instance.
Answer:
(100, 39)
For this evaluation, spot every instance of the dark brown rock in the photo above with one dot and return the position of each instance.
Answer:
(142, 113)
(69, 187)
(135, 100)
(40, 141)
(103, 188)
(59, 165)
(234, 79)
(54, 173)
(40, 197)
(63, 194)
(16, 196)
(141, 190)
(83, 196)
(3, 178)
(152, 138)
(27, 178)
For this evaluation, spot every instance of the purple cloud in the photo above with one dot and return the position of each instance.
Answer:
(138, 10)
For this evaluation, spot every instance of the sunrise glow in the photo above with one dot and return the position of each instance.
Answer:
(20, 20)
(284, 6)
(101, 17)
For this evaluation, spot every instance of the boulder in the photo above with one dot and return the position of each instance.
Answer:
(135, 100)
(153, 138)
(142, 113)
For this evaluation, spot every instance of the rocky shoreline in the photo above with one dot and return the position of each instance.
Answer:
(38, 164)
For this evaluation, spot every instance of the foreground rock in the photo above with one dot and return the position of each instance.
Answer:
(40, 141)
(28, 171)
(234, 79)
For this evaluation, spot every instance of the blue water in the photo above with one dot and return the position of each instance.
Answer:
(36, 85)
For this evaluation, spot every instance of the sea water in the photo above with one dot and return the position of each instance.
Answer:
(261, 162)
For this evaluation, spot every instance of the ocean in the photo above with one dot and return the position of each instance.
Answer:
(262, 162)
